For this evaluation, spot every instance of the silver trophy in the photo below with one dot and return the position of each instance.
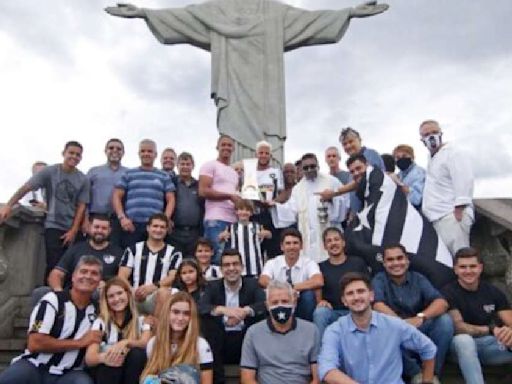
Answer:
(322, 213)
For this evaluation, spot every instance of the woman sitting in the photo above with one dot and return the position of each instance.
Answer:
(120, 358)
(177, 342)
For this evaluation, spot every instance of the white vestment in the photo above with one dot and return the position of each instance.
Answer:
(302, 208)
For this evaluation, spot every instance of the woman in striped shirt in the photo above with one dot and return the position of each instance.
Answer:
(120, 358)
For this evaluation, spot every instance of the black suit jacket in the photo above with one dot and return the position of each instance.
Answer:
(250, 294)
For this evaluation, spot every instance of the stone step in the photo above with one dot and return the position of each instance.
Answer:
(7, 356)
(13, 344)
(21, 322)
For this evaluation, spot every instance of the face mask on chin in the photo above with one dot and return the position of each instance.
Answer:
(281, 313)
(404, 163)
(433, 142)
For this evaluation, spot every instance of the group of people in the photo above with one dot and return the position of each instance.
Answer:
(155, 276)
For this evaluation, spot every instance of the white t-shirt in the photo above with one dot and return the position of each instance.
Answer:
(303, 269)
(203, 349)
(111, 334)
(270, 181)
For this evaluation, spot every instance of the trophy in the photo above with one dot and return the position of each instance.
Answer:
(250, 189)
(322, 213)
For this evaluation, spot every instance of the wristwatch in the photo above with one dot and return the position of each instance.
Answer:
(422, 316)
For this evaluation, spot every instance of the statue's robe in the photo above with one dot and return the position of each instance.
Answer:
(247, 40)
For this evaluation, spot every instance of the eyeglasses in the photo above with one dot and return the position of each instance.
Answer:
(177, 312)
(311, 167)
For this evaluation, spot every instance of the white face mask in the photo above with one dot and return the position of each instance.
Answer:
(433, 141)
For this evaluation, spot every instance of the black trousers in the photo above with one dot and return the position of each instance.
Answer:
(183, 239)
(128, 373)
(54, 248)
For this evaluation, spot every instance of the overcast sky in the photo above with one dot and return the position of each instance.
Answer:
(69, 71)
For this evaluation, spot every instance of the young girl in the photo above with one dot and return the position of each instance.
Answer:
(177, 341)
(120, 357)
(189, 278)
(203, 253)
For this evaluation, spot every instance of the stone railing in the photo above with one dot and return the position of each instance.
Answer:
(22, 263)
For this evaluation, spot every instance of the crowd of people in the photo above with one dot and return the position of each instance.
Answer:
(156, 277)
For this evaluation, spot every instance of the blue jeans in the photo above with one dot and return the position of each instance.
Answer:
(212, 230)
(24, 372)
(323, 317)
(470, 352)
(440, 331)
(306, 305)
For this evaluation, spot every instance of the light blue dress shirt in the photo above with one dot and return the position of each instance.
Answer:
(414, 178)
(371, 356)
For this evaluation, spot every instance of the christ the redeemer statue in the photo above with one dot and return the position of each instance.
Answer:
(247, 40)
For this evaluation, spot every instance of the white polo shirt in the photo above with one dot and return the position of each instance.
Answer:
(448, 183)
(303, 269)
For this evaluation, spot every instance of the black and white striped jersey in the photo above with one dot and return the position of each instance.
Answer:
(212, 272)
(57, 316)
(148, 267)
(244, 238)
(111, 332)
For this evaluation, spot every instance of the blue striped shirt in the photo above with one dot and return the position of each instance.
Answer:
(144, 192)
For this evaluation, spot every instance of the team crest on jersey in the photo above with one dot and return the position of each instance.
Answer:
(489, 308)
(92, 317)
(36, 326)
(108, 259)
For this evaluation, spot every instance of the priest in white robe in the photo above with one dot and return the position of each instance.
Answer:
(307, 210)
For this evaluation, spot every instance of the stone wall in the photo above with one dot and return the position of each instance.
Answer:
(21, 264)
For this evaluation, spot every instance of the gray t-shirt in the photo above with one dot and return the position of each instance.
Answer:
(64, 191)
(281, 358)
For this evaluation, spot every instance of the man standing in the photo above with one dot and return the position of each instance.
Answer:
(146, 191)
(149, 265)
(229, 306)
(482, 317)
(67, 193)
(332, 159)
(103, 179)
(189, 212)
(300, 272)
(409, 295)
(290, 179)
(307, 210)
(270, 183)
(59, 332)
(411, 175)
(36, 198)
(365, 346)
(218, 185)
(281, 349)
(330, 307)
(168, 161)
(98, 245)
(448, 192)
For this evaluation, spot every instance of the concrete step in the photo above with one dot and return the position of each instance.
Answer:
(21, 322)
(13, 344)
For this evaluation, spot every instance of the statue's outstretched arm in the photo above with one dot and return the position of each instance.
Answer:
(125, 10)
(369, 8)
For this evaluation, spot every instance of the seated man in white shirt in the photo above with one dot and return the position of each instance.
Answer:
(302, 273)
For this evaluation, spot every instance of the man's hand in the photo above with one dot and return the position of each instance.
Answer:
(68, 237)
(264, 234)
(326, 195)
(127, 225)
(235, 197)
(125, 10)
(369, 8)
(91, 337)
(458, 212)
(415, 321)
(232, 321)
(504, 335)
(5, 212)
(144, 291)
(239, 313)
(324, 303)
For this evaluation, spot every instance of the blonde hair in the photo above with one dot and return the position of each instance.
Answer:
(161, 356)
(130, 330)
(404, 148)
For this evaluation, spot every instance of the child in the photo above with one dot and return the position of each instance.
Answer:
(189, 278)
(204, 253)
(246, 237)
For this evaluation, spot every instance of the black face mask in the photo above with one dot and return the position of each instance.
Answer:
(281, 313)
(404, 163)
